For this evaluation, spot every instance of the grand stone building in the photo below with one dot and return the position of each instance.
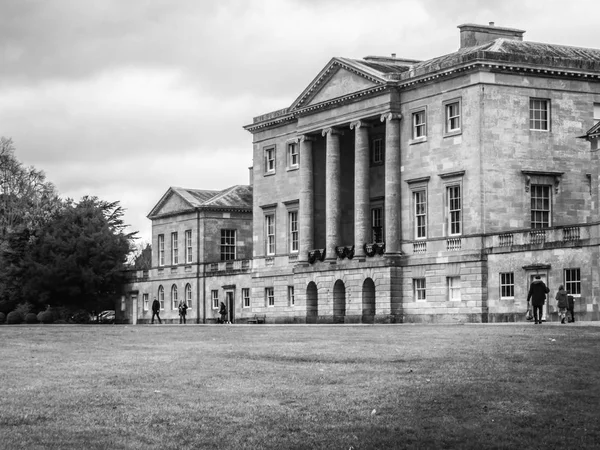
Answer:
(395, 190)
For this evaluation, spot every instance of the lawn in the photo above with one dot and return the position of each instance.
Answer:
(295, 387)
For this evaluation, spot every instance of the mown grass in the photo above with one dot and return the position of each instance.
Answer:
(286, 387)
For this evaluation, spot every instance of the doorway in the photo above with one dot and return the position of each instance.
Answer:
(544, 277)
(230, 304)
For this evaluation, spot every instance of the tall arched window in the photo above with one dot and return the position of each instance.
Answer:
(188, 295)
(174, 302)
(161, 297)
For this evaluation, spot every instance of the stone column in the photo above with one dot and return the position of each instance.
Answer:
(332, 192)
(306, 207)
(392, 183)
(362, 202)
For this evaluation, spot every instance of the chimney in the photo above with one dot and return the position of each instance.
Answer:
(472, 35)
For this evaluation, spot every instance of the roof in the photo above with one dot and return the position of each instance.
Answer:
(238, 197)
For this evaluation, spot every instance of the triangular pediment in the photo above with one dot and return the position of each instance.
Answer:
(340, 78)
(171, 202)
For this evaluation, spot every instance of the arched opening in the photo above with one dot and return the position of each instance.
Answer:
(368, 301)
(312, 303)
(339, 302)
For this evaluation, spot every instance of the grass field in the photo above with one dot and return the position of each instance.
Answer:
(295, 387)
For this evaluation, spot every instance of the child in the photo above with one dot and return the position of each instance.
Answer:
(563, 303)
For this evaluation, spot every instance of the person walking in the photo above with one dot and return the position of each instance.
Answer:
(563, 303)
(223, 312)
(156, 310)
(571, 306)
(537, 294)
(182, 311)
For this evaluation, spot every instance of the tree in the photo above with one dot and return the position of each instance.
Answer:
(141, 257)
(77, 259)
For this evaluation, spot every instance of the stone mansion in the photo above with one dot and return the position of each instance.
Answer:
(397, 191)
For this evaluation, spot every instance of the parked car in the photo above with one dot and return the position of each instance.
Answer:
(107, 316)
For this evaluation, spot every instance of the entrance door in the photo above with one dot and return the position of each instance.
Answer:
(230, 306)
(544, 278)
(134, 309)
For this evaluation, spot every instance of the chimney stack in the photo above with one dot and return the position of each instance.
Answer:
(472, 35)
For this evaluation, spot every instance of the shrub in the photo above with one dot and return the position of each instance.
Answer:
(14, 317)
(2, 317)
(45, 317)
(81, 316)
(31, 318)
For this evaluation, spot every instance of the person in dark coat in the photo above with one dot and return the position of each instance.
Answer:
(156, 310)
(182, 311)
(562, 303)
(537, 294)
(223, 312)
(571, 307)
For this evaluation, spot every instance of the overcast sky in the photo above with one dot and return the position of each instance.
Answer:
(123, 98)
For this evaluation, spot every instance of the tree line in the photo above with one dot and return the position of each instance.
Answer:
(55, 252)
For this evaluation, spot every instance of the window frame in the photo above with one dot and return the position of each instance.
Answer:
(269, 297)
(293, 231)
(214, 298)
(227, 249)
(454, 285)
(188, 295)
(570, 283)
(450, 187)
(270, 233)
(293, 155)
(542, 121)
(146, 302)
(161, 250)
(449, 117)
(270, 159)
(506, 284)
(188, 247)
(534, 188)
(174, 297)
(161, 297)
(174, 249)
(417, 225)
(291, 297)
(415, 126)
(420, 289)
(377, 150)
(377, 210)
(245, 297)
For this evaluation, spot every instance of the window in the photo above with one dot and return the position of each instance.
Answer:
(540, 206)
(188, 246)
(573, 281)
(539, 114)
(596, 113)
(146, 300)
(377, 151)
(161, 249)
(270, 160)
(452, 111)
(123, 303)
(270, 234)
(227, 245)
(377, 224)
(270, 296)
(214, 295)
(161, 297)
(454, 205)
(454, 288)
(292, 155)
(174, 301)
(507, 285)
(419, 289)
(420, 201)
(188, 295)
(246, 297)
(174, 249)
(293, 237)
(419, 129)
(291, 300)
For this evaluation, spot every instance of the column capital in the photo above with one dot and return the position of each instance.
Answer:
(359, 124)
(390, 116)
(333, 131)
(307, 138)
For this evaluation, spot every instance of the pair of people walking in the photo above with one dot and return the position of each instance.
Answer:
(183, 307)
(537, 295)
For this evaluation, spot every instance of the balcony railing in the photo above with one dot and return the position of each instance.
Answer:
(229, 266)
(453, 244)
(537, 236)
(420, 247)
